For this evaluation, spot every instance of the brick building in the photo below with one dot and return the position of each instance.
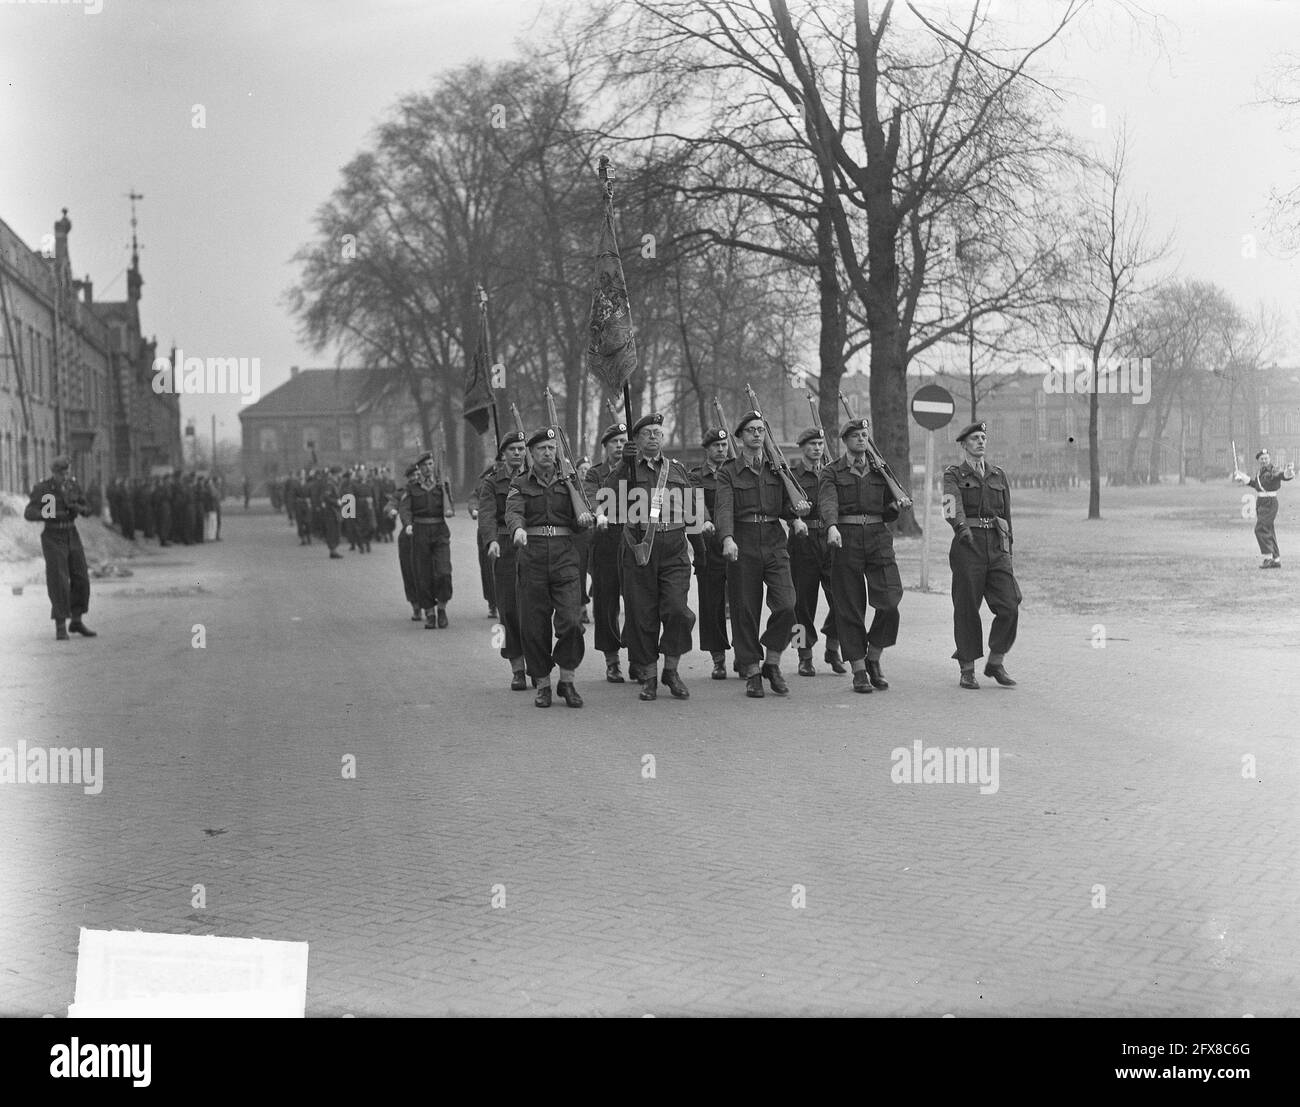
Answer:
(75, 375)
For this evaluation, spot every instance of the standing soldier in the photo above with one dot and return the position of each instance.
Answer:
(140, 503)
(162, 511)
(977, 503)
(710, 565)
(656, 564)
(1266, 484)
(540, 518)
(606, 557)
(497, 541)
(424, 511)
(299, 498)
(811, 559)
(57, 502)
(856, 503)
(752, 500)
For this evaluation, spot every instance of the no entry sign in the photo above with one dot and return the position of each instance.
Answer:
(933, 406)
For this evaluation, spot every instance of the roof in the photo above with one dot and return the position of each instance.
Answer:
(323, 392)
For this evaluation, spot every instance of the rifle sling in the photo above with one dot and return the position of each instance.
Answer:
(641, 550)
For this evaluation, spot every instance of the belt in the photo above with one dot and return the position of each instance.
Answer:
(985, 524)
(60, 524)
(428, 519)
(548, 532)
(816, 524)
(1269, 494)
(860, 520)
(758, 519)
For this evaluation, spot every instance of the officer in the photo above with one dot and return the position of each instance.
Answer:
(497, 541)
(56, 502)
(606, 557)
(540, 517)
(423, 513)
(977, 503)
(856, 503)
(710, 565)
(1266, 483)
(811, 559)
(404, 547)
(752, 500)
(650, 492)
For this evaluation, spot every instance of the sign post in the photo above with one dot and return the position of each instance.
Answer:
(933, 408)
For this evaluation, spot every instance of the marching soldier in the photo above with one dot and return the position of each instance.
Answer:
(404, 547)
(977, 503)
(656, 565)
(856, 503)
(606, 557)
(540, 517)
(331, 506)
(1266, 483)
(811, 560)
(710, 565)
(56, 502)
(497, 541)
(486, 572)
(752, 500)
(423, 513)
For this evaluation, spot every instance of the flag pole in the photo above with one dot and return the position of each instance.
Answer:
(487, 336)
(605, 171)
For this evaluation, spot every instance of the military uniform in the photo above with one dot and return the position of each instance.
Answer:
(486, 572)
(422, 508)
(751, 502)
(547, 571)
(493, 491)
(978, 507)
(606, 567)
(858, 503)
(332, 512)
(711, 569)
(811, 561)
(1266, 484)
(57, 501)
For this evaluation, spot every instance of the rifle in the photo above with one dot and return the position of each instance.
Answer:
(817, 422)
(877, 461)
(440, 476)
(519, 426)
(1235, 467)
(777, 460)
(564, 461)
(722, 422)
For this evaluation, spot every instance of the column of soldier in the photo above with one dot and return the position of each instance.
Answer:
(332, 504)
(539, 538)
(182, 508)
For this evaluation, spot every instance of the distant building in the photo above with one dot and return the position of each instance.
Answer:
(329, 417)
(75, 375)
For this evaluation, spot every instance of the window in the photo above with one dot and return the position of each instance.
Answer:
(411, 436)
(347, 440)
(1056, 427)
(310, 438)
(378, 437)
(1026, 428)
(268, 440)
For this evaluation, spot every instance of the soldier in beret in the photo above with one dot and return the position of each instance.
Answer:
(656, 563)
(811, 560)
(856, 503)
(752, 500)
(497, 540)
(710, 565)
(391, 511)
(424, 511)
(540, 518)
(606, 557)
(977, 504)
(56, 502)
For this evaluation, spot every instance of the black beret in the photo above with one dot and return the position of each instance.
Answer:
(971, 430)
(650, 419)
(852, 425)
(613, 431)
(411, 470)
(426, 456)
(509, 439)
(546, 434)
(1260, 454)
(811, 434)
(748, 418)
(714, 434)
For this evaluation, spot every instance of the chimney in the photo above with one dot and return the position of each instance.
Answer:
(293, 371)
(89, 289)
(61, 229)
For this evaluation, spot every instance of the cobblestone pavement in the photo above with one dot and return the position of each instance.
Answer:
(491, 858)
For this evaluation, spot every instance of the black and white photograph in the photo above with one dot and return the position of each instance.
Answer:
(651, 508)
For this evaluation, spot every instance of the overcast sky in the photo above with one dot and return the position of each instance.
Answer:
(96, 105)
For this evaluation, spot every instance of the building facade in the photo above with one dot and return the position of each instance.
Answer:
(75, 375)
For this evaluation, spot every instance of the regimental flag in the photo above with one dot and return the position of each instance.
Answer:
(478, 387)
(611, 348)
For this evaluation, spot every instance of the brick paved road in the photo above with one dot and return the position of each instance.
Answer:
(1119, 767)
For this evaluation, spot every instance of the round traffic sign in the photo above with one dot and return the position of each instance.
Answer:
(933, 406)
